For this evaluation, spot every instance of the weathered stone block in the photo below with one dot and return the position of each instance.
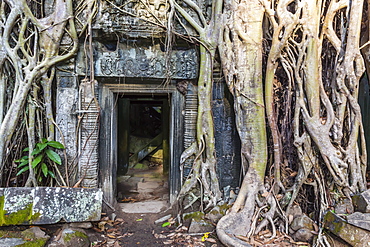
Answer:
(353, 235)
(47, 205)
(360, 220)
(302, 221)
(16, 206)
(344, 206)
(361, 202)
(75, 238)
(200, 226)
(83, 205)
(131, 61)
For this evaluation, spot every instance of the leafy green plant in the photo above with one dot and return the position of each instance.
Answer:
(43, 158)
(166, 224)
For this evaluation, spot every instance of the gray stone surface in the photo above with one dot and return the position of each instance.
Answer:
(294, 212)
(360, 219)
(66, 105)
(303, 235)
(353, 235)
(163, 219)
(147, 186)
(344, 206)
(84, 225)
(88, 109)
(10, 242)
(335, 242)
(49, 205)
(144, 207)
(132, 61)
(33, 236)
(302, 221)
(200, 226)
(216, 213)
(361, 202)
(71, 237)
(36, 232)
(226, 139)
(16, 199)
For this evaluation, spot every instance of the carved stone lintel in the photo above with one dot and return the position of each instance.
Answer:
(149, 62)
(136, 18)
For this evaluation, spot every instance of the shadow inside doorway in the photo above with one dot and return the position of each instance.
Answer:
(143, 151)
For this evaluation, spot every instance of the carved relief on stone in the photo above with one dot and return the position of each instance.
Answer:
(150, 62)
(133, 16)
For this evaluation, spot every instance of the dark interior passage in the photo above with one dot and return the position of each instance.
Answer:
(143, 150)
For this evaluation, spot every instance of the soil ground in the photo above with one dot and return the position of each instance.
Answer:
(140, 230)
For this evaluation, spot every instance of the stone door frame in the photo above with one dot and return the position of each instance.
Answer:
(108, 134)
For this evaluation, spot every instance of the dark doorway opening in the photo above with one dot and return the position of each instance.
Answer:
(143, 147)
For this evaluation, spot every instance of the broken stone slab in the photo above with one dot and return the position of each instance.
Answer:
(49, 205)
(353, 235)
(360, 220)
(335, 241)
(361, 202)
(200, 226)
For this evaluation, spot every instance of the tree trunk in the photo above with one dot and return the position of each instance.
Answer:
(241, 57)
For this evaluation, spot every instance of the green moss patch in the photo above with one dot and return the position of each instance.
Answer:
(197, 216)
(16, 218)
(34, 243)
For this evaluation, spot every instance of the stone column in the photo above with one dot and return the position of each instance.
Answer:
(66, 119)
(89, 118)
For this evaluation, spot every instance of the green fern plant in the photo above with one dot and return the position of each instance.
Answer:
(43, 159)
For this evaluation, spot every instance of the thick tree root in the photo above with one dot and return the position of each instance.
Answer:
(224, 231)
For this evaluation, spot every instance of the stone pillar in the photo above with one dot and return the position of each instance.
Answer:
(226, 139)
(66, 119)
(190, 125)
(88, 111)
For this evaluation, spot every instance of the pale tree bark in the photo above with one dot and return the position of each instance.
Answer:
(241, 57)
(204, 167)
(30, 48)
(326, 118)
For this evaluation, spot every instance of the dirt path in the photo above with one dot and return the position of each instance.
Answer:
(140, 230)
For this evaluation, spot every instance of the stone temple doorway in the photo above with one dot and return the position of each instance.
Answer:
(143, 161)
(161, 107)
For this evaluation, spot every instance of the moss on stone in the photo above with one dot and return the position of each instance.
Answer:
(34, 243)
(197, 216)
(335, 225)
(10, 234)
(221, 209)
(78, 234)
(16, 218)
